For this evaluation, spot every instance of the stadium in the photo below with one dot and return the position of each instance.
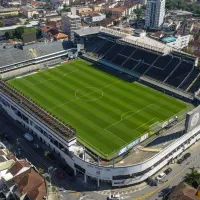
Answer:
(117, 107)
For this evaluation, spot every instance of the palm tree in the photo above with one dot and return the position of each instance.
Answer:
(193, 178)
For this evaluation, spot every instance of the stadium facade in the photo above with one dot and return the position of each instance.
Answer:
(61, 138)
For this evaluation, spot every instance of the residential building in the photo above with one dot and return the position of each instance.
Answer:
(96, 17)
(70, 23)
(155, 13)
(29, 12)
(178, 42)
(122, 10)
(53, 33)
(185, 192)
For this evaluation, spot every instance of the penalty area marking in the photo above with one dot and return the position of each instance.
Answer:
(94, 99)
(128, 115)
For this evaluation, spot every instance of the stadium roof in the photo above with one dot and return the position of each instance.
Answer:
(148, 43)
(88, 31)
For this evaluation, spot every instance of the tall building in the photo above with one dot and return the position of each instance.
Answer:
(155, 13)
(70, 23)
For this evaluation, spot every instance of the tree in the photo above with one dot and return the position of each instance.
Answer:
(138, 13)
(1, 24)
(192, 178)
(19, 32)
(9, 34)
(188, 50)
(116, 23)
(108, 15)
(40, 170)
(38, 33)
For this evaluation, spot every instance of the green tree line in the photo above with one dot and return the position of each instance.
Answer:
(181, 4)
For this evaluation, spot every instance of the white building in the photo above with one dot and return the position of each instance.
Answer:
(155, 13)
(70, 23)
(178, 42)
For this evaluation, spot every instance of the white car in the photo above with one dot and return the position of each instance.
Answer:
(114, 197)
(160, 176)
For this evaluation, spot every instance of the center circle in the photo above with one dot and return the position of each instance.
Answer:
(89, 94)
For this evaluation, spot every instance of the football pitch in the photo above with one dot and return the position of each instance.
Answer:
(107, 113)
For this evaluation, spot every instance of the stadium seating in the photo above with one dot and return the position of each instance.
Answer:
(13, 55)
(145, 56)
(175, 69)
(94, 44)
(141, 68)
(119, 59)
(48, 48)
(163, 74)
(180, 73)
(163, 61)
(130, 64)
(195, 86)
(104, 48)
(127, 51)
(113, 51)
(193, 75)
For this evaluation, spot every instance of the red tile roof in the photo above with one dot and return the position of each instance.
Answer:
(32, 184)
(18, 165)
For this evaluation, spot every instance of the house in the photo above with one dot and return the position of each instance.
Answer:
(22, 180)
(122, 11)
(32, 184)
(53, 33)
(93, 17)
(185, 192)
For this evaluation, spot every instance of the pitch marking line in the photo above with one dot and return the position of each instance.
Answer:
(98, 89)
(97, 98)
(116, 136)
(128, 116)
(52, 79)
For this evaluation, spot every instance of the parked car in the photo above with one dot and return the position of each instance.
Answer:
(187, 155)
(180, 160)
(114, 197)
(160, 176)
(167, 171)
(28, 136)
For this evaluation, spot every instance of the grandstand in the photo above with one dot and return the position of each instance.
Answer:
(174, 69)
(40, 55)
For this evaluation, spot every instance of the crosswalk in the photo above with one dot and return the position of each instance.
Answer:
(130, 191)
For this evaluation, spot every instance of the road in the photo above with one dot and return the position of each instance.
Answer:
(71, 188)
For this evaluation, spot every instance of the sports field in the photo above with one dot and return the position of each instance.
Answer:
(106, 112)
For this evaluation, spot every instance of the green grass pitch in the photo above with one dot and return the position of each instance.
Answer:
(108, 113)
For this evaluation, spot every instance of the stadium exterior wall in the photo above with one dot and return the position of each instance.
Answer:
(31, 125)
(134, 174)
(146, 169)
